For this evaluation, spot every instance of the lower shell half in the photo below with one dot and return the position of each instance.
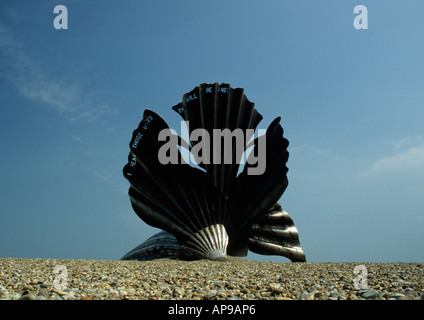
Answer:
(272, 234)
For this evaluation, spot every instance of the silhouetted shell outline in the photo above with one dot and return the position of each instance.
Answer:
(214, 212)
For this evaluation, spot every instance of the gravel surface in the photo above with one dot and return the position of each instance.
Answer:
(235, 279)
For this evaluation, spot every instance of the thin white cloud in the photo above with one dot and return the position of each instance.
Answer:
(35, 83)
(411, 159)
(78, 139)
(105, 176)
(407, 142)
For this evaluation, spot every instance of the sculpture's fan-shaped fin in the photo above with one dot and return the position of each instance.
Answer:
(262, 190)
(225, 115)
(275, 234)
(173, 197)
(269, 185)
(214, 106)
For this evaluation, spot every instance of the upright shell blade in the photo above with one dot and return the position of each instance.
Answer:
(275, 234)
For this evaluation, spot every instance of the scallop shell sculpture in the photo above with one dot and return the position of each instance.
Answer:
(218, 207)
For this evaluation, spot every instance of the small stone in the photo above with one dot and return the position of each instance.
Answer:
(211, 294)
(16, 296)
(276, 288)
(3, 292)
(146, 286)
(396, 296)
(181, 291)
(123, 292)
(370, 294)
(101, 293)
(283, 298)
(29, 296)
(305, 296)
(385, 294)
(353, 297)
(55, 296)
(319, 296)
(335, 294)
(43, 292)
(69, 295)
(85, 298)
(347, 286)
(60, 292)
(28, 288)
(40, 298)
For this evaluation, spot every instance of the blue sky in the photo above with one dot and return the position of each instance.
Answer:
(351, 103)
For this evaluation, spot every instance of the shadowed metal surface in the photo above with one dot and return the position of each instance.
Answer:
(160, 245)
(275, 234)
(210, 212)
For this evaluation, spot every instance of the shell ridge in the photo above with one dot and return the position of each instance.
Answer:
(165, 220)
(166, 192)
(275, 233)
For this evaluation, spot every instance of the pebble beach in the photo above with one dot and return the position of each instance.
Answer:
(234, 279)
